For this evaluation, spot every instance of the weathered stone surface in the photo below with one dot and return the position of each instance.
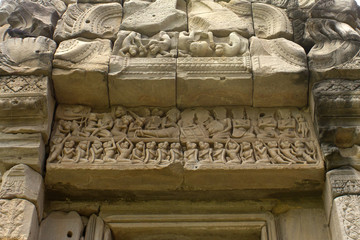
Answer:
(221, 18)
(26, 56)
(271, 22)
(149, 18)
(60, 225)
(89, 21)
(206, 81)
(133, 44)
(31, 19)
(80, 72)
(142, 81)
(339, 182)
(299, 224)
(306, 4)
(18, 220)
(96, 229)
(26, 105)
(198, 226)
(275, 63)
(344, 222)
(23, 182)
(22, 148)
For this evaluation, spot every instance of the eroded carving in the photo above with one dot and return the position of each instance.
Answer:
(89, 21)
(133, 44)
(151, 17)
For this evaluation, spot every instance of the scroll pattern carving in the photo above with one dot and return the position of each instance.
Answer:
(348, 213)
(194, 136)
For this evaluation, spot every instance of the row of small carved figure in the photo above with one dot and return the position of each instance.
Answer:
(198, 123)
(124, 151)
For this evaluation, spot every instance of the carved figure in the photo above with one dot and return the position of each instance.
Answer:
(90, 127)
(196, 44)
(82, 152)
(151, 153)
(68, 152)
(218, 154)
(232, 149)
(303, 127)
(236, 46)
(220, 127)
(275, 154)
(104, 126)
(305, 152)
(138, 153)
(241, 124)
(128, 44)
(287, 152)
(191, 153)
(247, 153)
(56, 148)
(266, 126)
(109, 151)
(125, 147)
(205, 153)
(63, 128)
(96, 151)
(286, 124)
(261, 154)
(176, 153)
(163, 153)
(162, 47)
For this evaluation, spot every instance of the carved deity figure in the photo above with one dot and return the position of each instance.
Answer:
(176, 153)
(125, 147)
(205, 153)
(138, 153)
(302, 126)
(96, 151)
(218, 153)
(286, 124)
(191, 153)
(220, 127)
(57, 144)
(104, 126)
(82, 152)
(305, 152)
(241, 124)
(68, 152)
(261, 154)
(109, 151)
(163, 153)
(266, 126)
(247, 153)
(151, 156)
(232, 149)
(275, 154)
(287, 152)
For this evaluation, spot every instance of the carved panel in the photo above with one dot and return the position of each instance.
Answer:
(89, 21)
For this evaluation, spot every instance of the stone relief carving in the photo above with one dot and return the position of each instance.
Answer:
(81, 53)
(204, 44)
(271, 22)
(133, 44)
(26, 56)
(150, 17)
(154, 136)
(89, 21)
(221, 18)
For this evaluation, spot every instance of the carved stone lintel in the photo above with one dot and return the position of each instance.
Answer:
(23, 182)
(18, 220)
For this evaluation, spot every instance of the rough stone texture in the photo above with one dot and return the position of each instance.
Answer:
(344, 222)
(89, 21)
(275, 63)
(26, 105)
(18, 220)
(60, 225)
(31, 19)
(271, 22)
(339, 182)
(223, 81)
(299, 224)
(23, 182)
(221, 18)
(128, 85)
(26, 56)
(335, 105)
(83, 65)
(149, 18)
(28, 149)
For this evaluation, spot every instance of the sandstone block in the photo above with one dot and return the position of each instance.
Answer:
(153, 17)
(206, 81)
(142, 81)
(82, 78)
(26, 56)
(344, 223)
(23, 182)
(31, 19)
(89, 21)
(221, 18)
(280, 73)
(339, 182)
(60, 225)
(18, 220)
(271, 22)
(28, 149)
(27, 105)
